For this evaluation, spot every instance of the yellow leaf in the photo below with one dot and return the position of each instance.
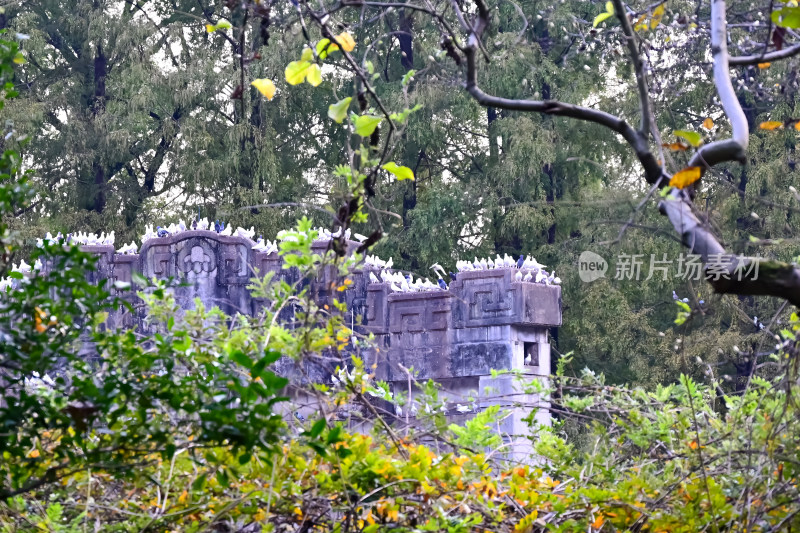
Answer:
(265, 86)
(685, 177)
(658, 14)
(314, 75)
(676, 147)
(182, 498)
(610, 7)
(598, 522)
(693, 445)
(296, 71)
(797, 125)
(347, 41)
(708, 123)
(600, 18)
(762, 66)
(210, 28)
(34, 454)
(641, 23)
(770, 125)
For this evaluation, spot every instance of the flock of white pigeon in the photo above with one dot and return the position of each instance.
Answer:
(527, 268)
(24, 268)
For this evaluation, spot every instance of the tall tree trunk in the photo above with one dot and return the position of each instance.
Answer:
(406, 26)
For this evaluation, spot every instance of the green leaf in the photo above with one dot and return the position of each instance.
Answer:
(223, 25)
(787, 17)
(322, 48)
(296, 71)
(692, 137)
(610, 7)
(338, 111)
(307, 55)
(403, 115)
(240, 358)
(366, 124)
(407, 77)
(402, 173)
(199, 483)
(317, 428)
(600, 18)
(314, 75)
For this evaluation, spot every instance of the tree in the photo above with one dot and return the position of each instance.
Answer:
(463, 34)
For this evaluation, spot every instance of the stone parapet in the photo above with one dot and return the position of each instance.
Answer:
(486, 321)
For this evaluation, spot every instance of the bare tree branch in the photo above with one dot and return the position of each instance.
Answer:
(765, 58)
(636, 140)
(732, 149)
(638, 67)
(732, 274)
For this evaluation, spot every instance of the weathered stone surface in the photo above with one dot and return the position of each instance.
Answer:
(214, 268)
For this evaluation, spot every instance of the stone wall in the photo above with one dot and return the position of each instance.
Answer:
(485, 321)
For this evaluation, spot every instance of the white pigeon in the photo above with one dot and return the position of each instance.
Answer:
(229, 230)
(23, 267)
(532, 264)
(518, 275)
(373, 278)
(528, 276)
(6, 284)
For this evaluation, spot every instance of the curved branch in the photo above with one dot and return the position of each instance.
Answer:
(726, 273)
(732, 149)
(765, 58)
(635, 139)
